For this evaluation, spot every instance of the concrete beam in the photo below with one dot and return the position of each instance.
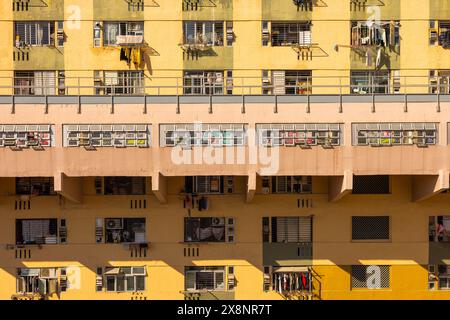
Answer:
(70, 188)
(425, 187)
(251, 186)
(340, 186)
(159, 187)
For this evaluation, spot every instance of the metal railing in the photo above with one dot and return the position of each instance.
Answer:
(205, 85)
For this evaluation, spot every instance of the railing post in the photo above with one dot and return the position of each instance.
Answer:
(275, 110)
(340, 94)
(373, 102)
(438, 107)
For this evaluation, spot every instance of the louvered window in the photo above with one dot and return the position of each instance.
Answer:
(292, 229)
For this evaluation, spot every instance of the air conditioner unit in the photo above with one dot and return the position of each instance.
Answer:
(218, 222)
(115, 223)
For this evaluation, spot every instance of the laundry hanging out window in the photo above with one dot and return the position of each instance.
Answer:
(368, 33)
(112, 30)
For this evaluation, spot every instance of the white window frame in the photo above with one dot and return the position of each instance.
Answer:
(126, 277)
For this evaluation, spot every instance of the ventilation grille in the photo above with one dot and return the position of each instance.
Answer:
(191, 252)
(138, 204)
(22, 254)
(22, 205)
(370, 277)
(370, 228)
(20, 5)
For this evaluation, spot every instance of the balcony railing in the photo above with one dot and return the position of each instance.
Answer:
(340, 85)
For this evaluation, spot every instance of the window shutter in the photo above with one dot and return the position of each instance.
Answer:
(99, 279)
(266, 285)
(279, 82)
(62, 231)
(231, 279)
(266, 229)
(230, 229)
(99, 230)
(305, 229)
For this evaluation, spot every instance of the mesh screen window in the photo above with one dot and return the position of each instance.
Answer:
(370, 277)
(370, 228)
(371, 184)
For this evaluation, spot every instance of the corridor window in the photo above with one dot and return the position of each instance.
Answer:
(440, 33)
(439, 229)
(439, 81)
(215, 135)
(291, 33)
(205, 278)
(124, 230)
(124, 185)
(382, 33)
(370, 277)
(118, 82)
(112, 30)
(371, 184)
(125, 279)
(38, 186)
(36, 231)
(203, 82)
(393, 134)
(34, 33)
(209, 229)
(107, 135)
(36, 136)
(371, 228)
(302, 134)
(370, 82)
(210, 33)
(290, 82)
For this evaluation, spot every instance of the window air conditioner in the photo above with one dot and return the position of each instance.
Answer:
(115, 223)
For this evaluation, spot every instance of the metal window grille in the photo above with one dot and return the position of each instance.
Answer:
(36, 231)
(203, 82)
(292, 229)
(26, 136)
(371, 184)
(209, 33)
(113, 29)
(370, 277)
(206, 229)
(34, 186)
(292, 184)
(36, 82)
(289, 34)
(371, 228)
(363, 82)
(205, 278)
(34, 33)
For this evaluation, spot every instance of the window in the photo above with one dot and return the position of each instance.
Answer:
(25, 136)
(208, 33)
(205, 278)
(371, 184)
(291, 184)
(287, 229)
(393, 134)
(124, 185)
(216, 135)
(370, 82)
(36, 231)
(444, 277)
(439, 229)
(125, 279)
(38, 280)
(204, 184)
(302, 135)
(209, 229)
(291, 279)
(371, 228)
(291, 34)
(107, 135)
(439, 81)
(39, 82)
(34, 33)
(382, 33)
(38, 186)
(203, 82)
(125, 230)
(440, 33)
(290, 82)
(119, 82)
(370, 277)
(113, 30)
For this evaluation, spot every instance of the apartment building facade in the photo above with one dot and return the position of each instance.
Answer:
(225, 149)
